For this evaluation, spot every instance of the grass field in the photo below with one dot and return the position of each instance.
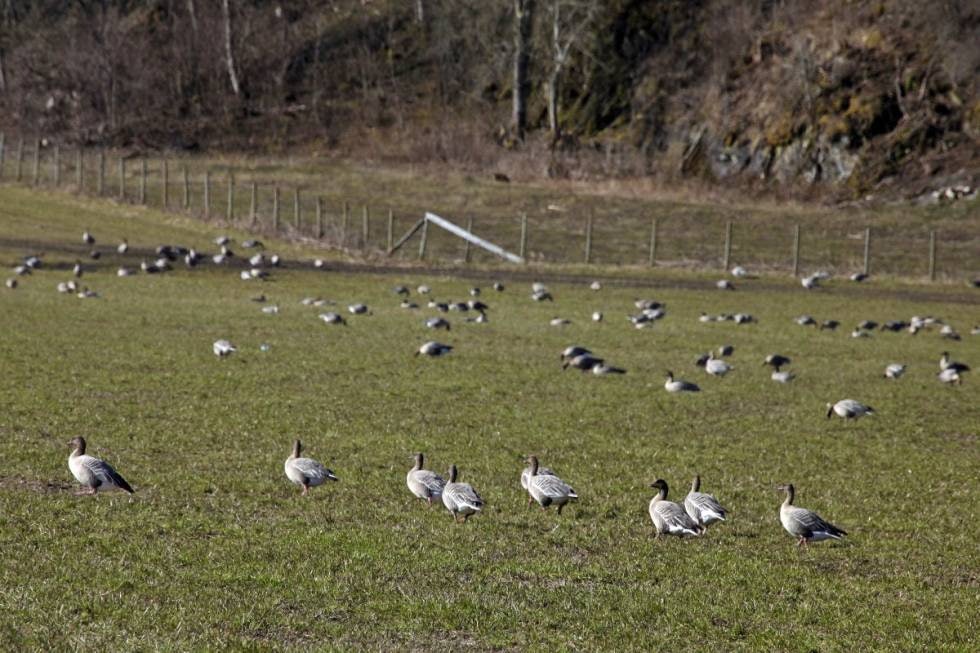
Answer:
(216, 550)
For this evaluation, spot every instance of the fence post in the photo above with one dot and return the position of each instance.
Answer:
(275, 209)
(728, 245)
(343, 225)
(867, 250)
(101, 173)
(425, 234)
(165, 165)
(79, 174)
(796, 251)
(253, 204)
(391, 228)
(230, 209)
(296, 209)
(143, 180)
(466, 251)
(122, 179)
(56, 166)
(588, 236)
(523, 234)
(319, 217)
(653, 241)
(36, 170)
(20, 160)
(932, 255)
(365, 227)
(186, 202)
(3, 149)
(207, 194)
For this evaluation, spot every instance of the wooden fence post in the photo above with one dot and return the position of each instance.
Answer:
(523, 235)
(122, 179)
(391, 227)
(20, 160)
(36, 170)
(319, 217)
(3, 149)
(296, 209)
(422, 241)
(207, 194)
(56, 166)
(343, 226)
(365, 227)
(186, 202)
(588, 236)
(101, 173)
(728, 245)
(253, 204)
(165, 200)
(275, 209)
(867, 250)
(230, 209)
(932, 255)
(796, 251)
(654, 225)
(143, 180)
(466, 251)
(79, 173)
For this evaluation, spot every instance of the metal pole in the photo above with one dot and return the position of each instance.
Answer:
(79, 162)
(319, 217)
(101, 182)
(186, 203)
(296, 210)
(143, 181)
(469, 228)
(588, 237)
(165, 165)
(653, 241)
(391, 228)
(728, 244)
(122, 179)
(796, 251)
(365, 227)
(523, 235)
(425, 234)
(207, 194)
(36, 172)
(343, 226)
(275, 209)
(253, 204)
(230, 209)
(56, 166)
(932, 255)
(20, 160)
(867, 250)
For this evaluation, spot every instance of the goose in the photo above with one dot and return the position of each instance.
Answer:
(743, 318)
(438, 323)
(258, 273)
(703, 508)
(706, 318)
(559, 321)
(526, 478)
(32, 262)
(945, 363)
(402, 290)
(716, 367)
(245, 275)
(271, 310)
(22, 270)
(357, 309)
(477, 305)
(805, 524)
(668, 517)
(86, 293)
(222, 241)
(474, 292)
(595, 285)
(433, 348)
(192, 258)
(975, 331)
(460, 498)
(64, 288)
(572, 351)
(77, 269)
(442, 307)
(499, 287)
(805, 320)
(950, 375)
(410, 305)
(537, 286)
(219, 259)
(88, 238)
(307, 301)
(894, 326)
(782, 377)
(125, 272)
(601, 369)
(597, 316)
(222, 348)
(776, 360)
(226, 252)
(858, 277)
(894, 371)
(332, 318)
(584, 362)
(739, 272)
(424, 483)
(258, 299)
(459, 307)
(858, 333)
(257, 259)
(11, 283)
(867, 325)
(726, 350)
(670, 385)
(829, 325)
(725, 284)
(306, 472)
(93, 473)
(252, 244)
(647, 304)
(702, 360)
(319, 263)
(481, 318)
(849, 409)
(547, 489)
(542, 296)
(123, 247)
(423, 290)
(810, 283)
(949, 333)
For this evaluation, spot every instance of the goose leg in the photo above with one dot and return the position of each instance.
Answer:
(560, 507)
(530, 501)
(306, 490)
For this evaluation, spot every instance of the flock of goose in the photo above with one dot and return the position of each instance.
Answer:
(698, 511)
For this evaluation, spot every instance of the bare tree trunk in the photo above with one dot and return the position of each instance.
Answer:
(3, 74)
(229, 52)
(192, 11)
(523, 21)
(559, 60)
(420, 12)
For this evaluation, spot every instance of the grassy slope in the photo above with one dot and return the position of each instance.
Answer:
(217, 550)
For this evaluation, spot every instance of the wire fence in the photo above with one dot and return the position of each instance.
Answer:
(588, 231)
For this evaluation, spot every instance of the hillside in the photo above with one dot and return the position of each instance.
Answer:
(829, 98)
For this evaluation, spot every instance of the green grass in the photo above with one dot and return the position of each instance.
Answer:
(217, 551)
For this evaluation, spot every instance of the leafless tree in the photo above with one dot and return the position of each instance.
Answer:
(229, 50)
(569, 20)
(523, 23)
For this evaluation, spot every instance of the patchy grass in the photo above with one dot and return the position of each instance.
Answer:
(216, 550)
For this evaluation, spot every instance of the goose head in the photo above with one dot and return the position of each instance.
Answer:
(533, 462)
(830, 410)
(419, 460)
(297, 448)
(452, 473)
(669, 377)
(661, 485)
(696, 484)
(78, 445)
(789, 490)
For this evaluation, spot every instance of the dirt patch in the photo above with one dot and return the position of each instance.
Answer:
(33, 485)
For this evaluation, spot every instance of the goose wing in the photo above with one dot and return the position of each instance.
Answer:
(105, 474)
(313, 470)
(462, 495)
(808, 523)
(702, 507)
(676, 521)
(430, 480)
(551, 486)
(526, 475)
